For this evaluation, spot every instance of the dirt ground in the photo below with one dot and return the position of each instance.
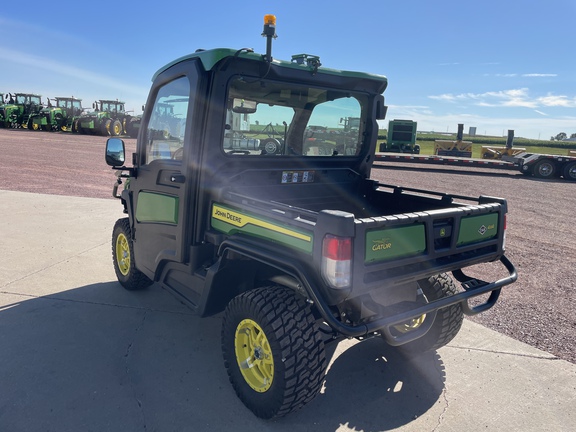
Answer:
(541, 243)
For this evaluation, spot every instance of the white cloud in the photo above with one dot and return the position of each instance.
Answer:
(537, 127)
(557, 101)
(513, 98)
(526, 75)
(47, 64)
(444, 97)
(539, 75)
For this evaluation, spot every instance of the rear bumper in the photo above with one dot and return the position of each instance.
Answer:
(472, 288)
(306, 283)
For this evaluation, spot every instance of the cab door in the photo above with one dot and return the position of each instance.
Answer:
(160, 191)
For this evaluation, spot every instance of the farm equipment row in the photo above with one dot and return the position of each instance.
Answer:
(26, 111)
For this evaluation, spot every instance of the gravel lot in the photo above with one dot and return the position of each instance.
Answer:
(540, 236)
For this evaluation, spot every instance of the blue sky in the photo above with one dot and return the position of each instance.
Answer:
(495, 65)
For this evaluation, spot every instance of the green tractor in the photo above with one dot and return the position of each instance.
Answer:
(401, 137)
(16, 113)
(2, 120)
(58, 117)
(165, 120)
(108, 118)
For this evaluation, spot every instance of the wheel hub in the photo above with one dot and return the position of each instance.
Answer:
(254, 355)
(123, 254)
(410, 325)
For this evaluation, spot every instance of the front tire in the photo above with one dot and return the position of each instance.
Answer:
(123, 257)
(273, 351)
(448, 320)
(76, 126)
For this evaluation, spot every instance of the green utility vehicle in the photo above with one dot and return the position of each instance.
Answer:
(20, 107)
(297, 248)
(58, 117)
(108, 118)
(401, 137)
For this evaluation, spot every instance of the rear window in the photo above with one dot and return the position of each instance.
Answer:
(283, 119)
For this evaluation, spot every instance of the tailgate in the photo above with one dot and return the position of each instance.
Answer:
(411, 246)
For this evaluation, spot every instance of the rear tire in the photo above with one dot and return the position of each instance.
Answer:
(569, 172)
(123, 257)
(273, 351)
(116, 128)
(544, 169)
(448, 320)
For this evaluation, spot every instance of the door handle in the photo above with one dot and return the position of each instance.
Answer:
(177, 178)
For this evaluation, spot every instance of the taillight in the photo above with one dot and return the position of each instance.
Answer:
(337, 261)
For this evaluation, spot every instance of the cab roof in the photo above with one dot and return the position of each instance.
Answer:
(210, 58)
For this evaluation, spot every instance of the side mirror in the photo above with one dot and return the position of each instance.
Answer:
(115, 152)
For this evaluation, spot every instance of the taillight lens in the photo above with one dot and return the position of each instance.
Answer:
(337, 261)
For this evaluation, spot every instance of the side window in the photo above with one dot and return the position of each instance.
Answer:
(334, 129)
(167, 124)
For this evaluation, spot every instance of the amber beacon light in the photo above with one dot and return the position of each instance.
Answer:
(270, 19)
(270, 33)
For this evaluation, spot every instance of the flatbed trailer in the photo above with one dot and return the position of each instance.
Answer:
(530, 164)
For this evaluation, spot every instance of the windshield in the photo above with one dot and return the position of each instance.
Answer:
(112, 107)
(26, 99)
(67, 103)
(272, 118)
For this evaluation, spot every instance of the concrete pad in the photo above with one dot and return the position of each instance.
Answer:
(79, 353)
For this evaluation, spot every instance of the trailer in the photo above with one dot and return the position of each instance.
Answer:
(508, 158)
(530, 164)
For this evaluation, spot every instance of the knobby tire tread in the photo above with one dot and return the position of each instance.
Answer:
(300, 343)
(136, 280)
(448, 320)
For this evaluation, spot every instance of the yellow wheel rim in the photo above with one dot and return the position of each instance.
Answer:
(117, 128)
(35, 126)
(254, 355)
(123, 254)
(410, 325)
